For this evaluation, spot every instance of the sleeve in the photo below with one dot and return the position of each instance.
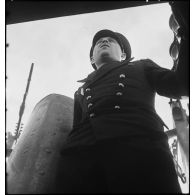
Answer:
(183, 67)
(77, 115)
(165, 82)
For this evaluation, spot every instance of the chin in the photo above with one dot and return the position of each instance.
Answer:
(105, 55)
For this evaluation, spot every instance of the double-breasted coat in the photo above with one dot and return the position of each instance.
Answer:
(118, 100)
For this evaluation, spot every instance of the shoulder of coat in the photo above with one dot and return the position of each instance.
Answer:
(145, 62)
(137, 62)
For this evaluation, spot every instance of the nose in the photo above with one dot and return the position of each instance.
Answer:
(105, 40)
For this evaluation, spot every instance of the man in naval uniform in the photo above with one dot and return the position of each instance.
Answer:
(118, 144)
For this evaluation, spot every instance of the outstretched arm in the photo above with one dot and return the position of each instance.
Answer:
(166, 82)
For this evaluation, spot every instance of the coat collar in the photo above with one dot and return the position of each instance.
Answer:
(97, 74)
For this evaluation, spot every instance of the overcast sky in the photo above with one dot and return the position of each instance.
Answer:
(59, 49)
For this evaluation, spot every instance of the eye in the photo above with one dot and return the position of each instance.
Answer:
(112, 40)
(99, 41)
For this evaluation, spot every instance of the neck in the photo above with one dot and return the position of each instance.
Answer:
(104, 63)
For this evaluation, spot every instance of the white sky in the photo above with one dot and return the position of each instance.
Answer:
(59, 49)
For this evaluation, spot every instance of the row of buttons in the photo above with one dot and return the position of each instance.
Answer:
(90, 104)
(121, 87)
(119, 93)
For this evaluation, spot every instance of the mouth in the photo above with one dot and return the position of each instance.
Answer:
(104, 45)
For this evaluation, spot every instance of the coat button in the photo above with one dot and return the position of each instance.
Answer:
(119, 93)
(121, 85)
(122, 75)
(88, 97)
(89, 105)
(92, 115)
(117, 107)
(88, 89)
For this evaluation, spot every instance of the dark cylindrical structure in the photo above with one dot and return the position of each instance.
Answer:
(31, 167)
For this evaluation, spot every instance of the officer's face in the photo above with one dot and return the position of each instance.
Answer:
(107, 48)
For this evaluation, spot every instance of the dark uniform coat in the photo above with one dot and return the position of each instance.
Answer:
(118, 100)
(118, 143)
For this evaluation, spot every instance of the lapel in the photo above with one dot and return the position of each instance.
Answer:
(88, 78)
(96, 75)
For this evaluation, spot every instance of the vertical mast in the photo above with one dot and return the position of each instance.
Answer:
(22, 107)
